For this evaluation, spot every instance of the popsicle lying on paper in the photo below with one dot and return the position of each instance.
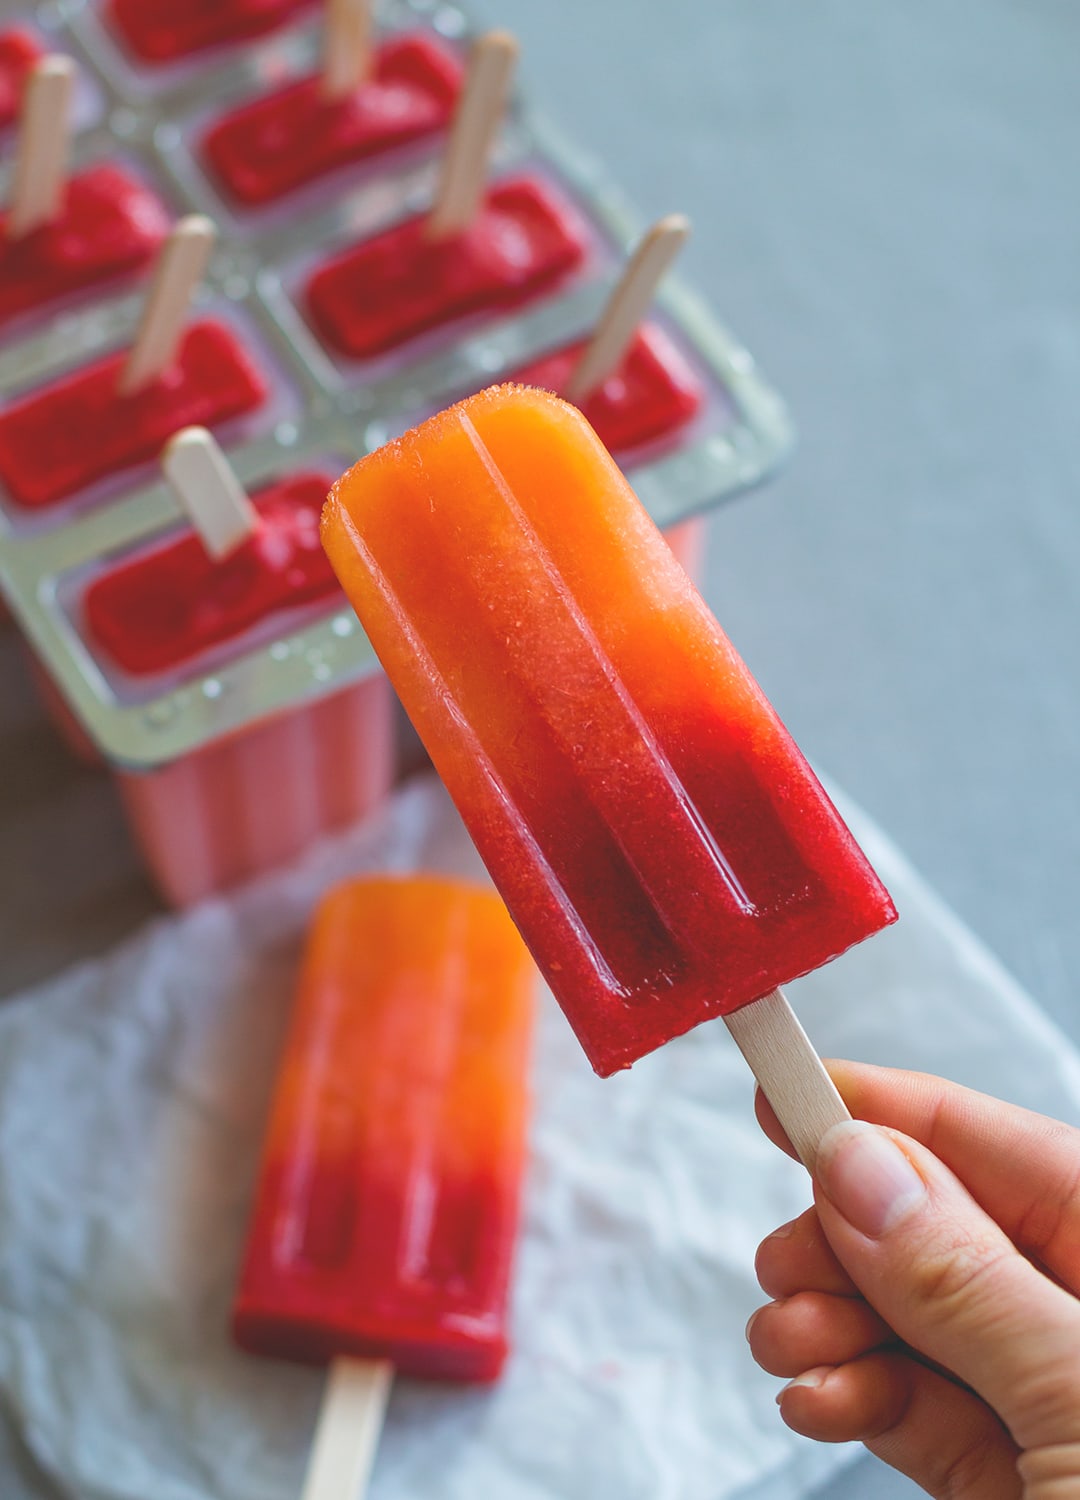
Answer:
(159, 31)
(19, 51)
(387, 1208)
(295, 135)
(664, 848)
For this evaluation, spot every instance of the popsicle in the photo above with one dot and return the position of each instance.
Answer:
(387, 1208)
(628, 378)
(118, 411)
(19, 51)
(59, 234)
(293, 136)
(161, 31)
(477, 251)
(658, 838)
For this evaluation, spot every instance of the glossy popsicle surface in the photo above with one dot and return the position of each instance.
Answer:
(160, 609)
(659, 839)
(387, 1207)
(159, 31)
(110, 224)
(288, 138)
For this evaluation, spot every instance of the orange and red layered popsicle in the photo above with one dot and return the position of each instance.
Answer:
(160, 31)
(387, 1207)
(167, 606)
(664, 848)
(294, 135)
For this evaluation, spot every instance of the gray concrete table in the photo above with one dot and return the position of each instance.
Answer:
(885, 211)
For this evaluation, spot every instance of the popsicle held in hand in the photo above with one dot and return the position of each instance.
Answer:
(658, 838)
(386, 1215)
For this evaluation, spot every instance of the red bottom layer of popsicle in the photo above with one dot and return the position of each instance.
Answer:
(161, 30)
(19, 51)
(63, 437)
(109, 225)
(241, 806)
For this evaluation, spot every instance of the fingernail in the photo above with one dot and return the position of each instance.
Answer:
(809, 1381)
(750, 1323)
(784, 1232)
(865, 1175)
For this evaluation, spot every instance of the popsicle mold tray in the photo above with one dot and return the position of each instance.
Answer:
(322, 406)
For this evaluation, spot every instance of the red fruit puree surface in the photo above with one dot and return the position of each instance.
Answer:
(19, 51)
(377, 295)
(161, 609)
(160, 31)
(651, 395)
(285, 139)
(64, 436)
(109, 224)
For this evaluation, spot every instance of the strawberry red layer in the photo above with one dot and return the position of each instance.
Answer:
(65, 436)
(110, 224)
(19, 51)
(288, 138)
(162, 30)
(524, 241)
(651, 395)
(163, 608)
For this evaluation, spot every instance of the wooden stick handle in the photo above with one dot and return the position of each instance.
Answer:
(181, 265)
(209, 491)
(792, 1076)
(347, 1436)
(476, 121)
(347, 47)
(627, 305)
(41, 158)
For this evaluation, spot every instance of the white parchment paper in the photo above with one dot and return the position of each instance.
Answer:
(133, 1092)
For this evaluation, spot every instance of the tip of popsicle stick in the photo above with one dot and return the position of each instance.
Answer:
(195, 227)
(673, 226)
(54, 65)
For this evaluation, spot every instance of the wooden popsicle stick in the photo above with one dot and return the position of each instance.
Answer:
(472, 136)
(208, 490)
(347, 47)
(180, 267)
(792, 1076)
(627, 305)
(350, 1421)
(41, 157)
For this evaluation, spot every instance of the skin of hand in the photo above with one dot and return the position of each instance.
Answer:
(927, 1304)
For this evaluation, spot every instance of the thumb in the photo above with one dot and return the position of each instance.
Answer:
(949, 1281)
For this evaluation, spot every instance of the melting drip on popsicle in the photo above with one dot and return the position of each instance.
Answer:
(161, 31)
(662, 845)
(62, 234)
(119, 411)
(478, 250)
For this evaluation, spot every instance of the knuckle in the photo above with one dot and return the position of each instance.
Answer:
(957, 1277)
(974, 1472)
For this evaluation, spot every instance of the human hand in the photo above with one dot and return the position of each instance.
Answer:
(928, 1303)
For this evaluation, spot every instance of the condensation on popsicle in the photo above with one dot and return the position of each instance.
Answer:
(660, 841)
(387, 1207)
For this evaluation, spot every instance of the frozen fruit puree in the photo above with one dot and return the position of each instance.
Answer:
(158, 31)
(19, 51)
(658, 838)
(162, 608)
(62, 437)
(288, 138)
(524, 241)
(387, 1207)
(651, 395)
(109, 225)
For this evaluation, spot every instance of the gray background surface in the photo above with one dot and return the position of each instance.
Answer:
(884, 208)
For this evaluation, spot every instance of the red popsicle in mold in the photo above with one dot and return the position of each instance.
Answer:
(60, 235)
(288, 138)
(19, 51)
(628, 378)
(119, 410)
(476, 251)
(164, 607)
(161, 31)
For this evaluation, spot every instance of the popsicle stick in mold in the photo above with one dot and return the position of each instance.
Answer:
(208, 490)
(346, 47)
(792, 1077)
(472, 136)
(627, 305)
(350, 1421)
(181, 265)
(41, 154)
